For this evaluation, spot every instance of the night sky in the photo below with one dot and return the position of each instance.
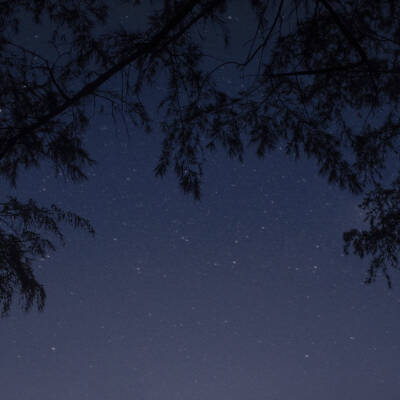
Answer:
(243, 295)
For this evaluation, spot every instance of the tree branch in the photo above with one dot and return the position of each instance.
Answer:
(345, 32)
(160, 39)
(319, 71)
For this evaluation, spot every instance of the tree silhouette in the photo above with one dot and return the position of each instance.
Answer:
(320, 79)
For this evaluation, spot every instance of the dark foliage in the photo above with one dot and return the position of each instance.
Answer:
(22, 239)
(309, 65)
(382, 238)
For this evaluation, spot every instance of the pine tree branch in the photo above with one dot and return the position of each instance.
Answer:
(159, 40)
(338, 68)
(345, 32)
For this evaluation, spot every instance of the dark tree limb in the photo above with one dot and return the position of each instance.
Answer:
(159, 40)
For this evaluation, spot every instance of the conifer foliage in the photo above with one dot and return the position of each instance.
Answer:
(319, 79)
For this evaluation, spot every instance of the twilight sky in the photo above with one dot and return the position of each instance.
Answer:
(244, 295)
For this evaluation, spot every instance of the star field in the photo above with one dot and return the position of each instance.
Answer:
(245, 294)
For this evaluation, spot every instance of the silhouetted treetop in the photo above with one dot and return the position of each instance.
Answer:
(318, 78)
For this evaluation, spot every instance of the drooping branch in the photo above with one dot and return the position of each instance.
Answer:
(345, 32)
(159, 40)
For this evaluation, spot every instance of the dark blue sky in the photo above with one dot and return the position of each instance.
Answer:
(243, 295)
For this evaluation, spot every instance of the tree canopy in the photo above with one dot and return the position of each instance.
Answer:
(320, 79)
